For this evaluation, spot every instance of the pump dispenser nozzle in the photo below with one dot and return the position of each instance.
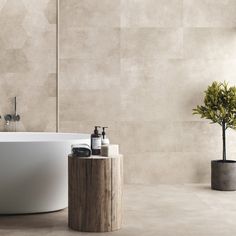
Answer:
(96, 129)
(105, 140)
(103, 132)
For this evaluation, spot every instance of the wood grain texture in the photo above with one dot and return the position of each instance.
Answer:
(95, 194)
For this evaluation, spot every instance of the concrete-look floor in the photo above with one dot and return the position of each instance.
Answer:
(165, 210)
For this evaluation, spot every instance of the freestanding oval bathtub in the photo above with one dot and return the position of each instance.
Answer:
(33, 171)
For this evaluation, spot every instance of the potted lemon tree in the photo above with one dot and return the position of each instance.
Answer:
(220, 107)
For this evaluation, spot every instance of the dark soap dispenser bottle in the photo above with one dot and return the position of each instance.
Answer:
(96, 141)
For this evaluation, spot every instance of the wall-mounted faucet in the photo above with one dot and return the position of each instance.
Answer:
(12, 117)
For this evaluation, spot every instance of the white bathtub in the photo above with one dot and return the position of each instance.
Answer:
(33, 171)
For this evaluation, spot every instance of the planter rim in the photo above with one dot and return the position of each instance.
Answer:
(224, 162)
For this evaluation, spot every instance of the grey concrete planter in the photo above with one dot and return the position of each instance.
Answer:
(223, 175)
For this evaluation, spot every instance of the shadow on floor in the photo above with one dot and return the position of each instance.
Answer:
(34, 221)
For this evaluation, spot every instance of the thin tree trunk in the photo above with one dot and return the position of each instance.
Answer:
(224, 141)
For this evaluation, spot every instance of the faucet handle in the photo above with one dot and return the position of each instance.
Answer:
(16, 117)
(8, 117)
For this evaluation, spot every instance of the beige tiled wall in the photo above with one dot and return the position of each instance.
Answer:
(140, 67)
(28, 62)
(136, 66)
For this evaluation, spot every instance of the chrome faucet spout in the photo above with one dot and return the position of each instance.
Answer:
(16, 117)
(15, 106)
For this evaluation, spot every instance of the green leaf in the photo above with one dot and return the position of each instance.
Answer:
(219, 104)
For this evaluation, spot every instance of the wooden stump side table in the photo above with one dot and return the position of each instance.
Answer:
(95, 193)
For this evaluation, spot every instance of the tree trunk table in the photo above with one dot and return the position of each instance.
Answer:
(95, 193)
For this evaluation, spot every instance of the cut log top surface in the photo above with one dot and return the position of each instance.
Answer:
(97, 157)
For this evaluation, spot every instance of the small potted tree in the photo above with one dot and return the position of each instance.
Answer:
(220, 107)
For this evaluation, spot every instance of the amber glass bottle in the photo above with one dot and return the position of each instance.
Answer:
(96, 141)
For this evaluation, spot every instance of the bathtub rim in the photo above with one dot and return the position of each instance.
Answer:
(31, 137)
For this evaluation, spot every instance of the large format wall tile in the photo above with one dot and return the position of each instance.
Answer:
(12, 11)
(151, 89)
(40, 52)
(98, 105)
(95, 43)
(209, 13)
(90, 74)
(13, 36)
(35, 24)
(210, 43)
(197, 74)
(89, 13)
(151, 43)
(28, 62)
(50, 12)
(151, 13)
(12, 61)
(144, 137)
